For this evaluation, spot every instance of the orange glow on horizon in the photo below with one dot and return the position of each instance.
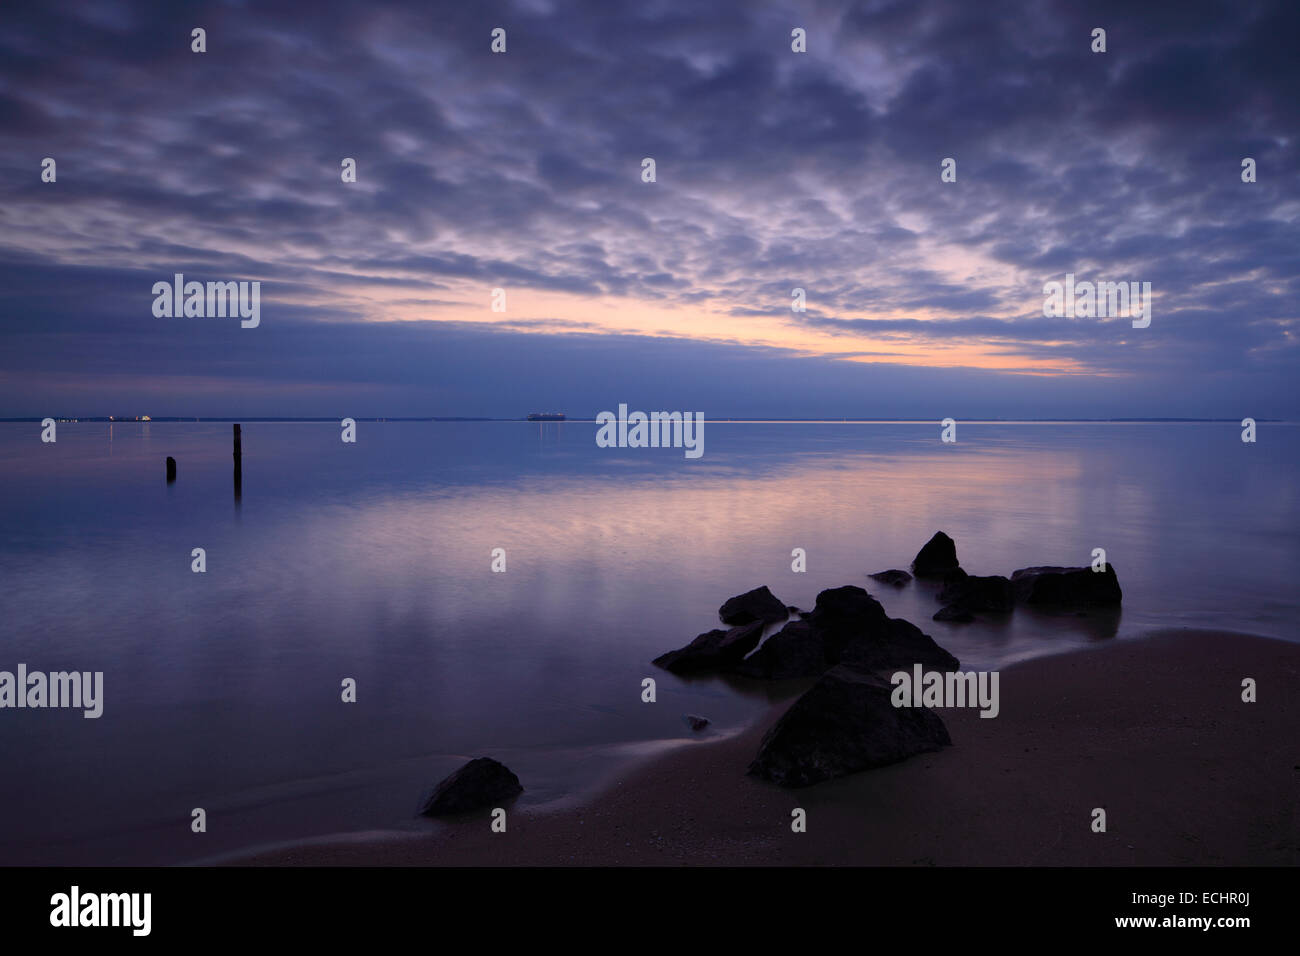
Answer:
(545, 312)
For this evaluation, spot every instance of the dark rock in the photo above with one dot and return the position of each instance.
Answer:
(695, 721)
(977, 593)
(1067, 587)
(847, 611)
(893, 576)
(857, 630)
(847, 626)
(480, 783)
(899, 644)
(792, 609)
(713, 650)
(954, 613)
(759, 604)
(937, 558)
(843, 724)
(797, 650)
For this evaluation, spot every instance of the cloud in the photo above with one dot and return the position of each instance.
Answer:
(775, 170)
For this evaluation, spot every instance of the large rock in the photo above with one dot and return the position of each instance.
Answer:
(759, 604)
(797, 650)
(937, 558)
(713, 650)
(1067, 587)
(894, 576)
(842, 613)
(483, 782)
(898, 644)
(847, 625)
(843, 724)
(976, 593)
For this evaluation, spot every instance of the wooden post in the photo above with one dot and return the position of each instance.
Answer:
(171, 469)
(239, 463)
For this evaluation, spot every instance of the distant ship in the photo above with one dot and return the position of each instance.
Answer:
(546, 417)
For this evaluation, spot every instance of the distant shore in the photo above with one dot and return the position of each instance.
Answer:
(1154, 731)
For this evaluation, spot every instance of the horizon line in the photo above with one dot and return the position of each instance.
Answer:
(209, 419)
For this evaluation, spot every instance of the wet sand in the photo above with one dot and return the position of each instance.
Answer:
(1152, 730)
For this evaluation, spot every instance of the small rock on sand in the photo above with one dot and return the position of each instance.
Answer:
(480, 783)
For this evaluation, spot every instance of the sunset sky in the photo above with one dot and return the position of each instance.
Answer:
(775, 170)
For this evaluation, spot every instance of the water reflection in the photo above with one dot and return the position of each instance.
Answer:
(373, 561)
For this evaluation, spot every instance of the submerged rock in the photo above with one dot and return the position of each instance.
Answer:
(937, 558)
(695, 721)
(759, 604)
(713, 650)
(480, 783)
(1067, 587)
(893, 576)
(954, 613)
(977, 593)
(845, 723)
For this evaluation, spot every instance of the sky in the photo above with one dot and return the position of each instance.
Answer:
(774, 170)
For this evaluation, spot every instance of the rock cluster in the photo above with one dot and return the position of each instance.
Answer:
(846, 721)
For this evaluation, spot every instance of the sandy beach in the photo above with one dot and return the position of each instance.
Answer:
(1153, 730)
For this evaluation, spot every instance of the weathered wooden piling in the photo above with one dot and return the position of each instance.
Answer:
(239, 462)
(171, 468)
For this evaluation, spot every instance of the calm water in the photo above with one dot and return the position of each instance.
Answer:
(372, 561)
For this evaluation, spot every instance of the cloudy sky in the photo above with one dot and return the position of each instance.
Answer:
(775, 170)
